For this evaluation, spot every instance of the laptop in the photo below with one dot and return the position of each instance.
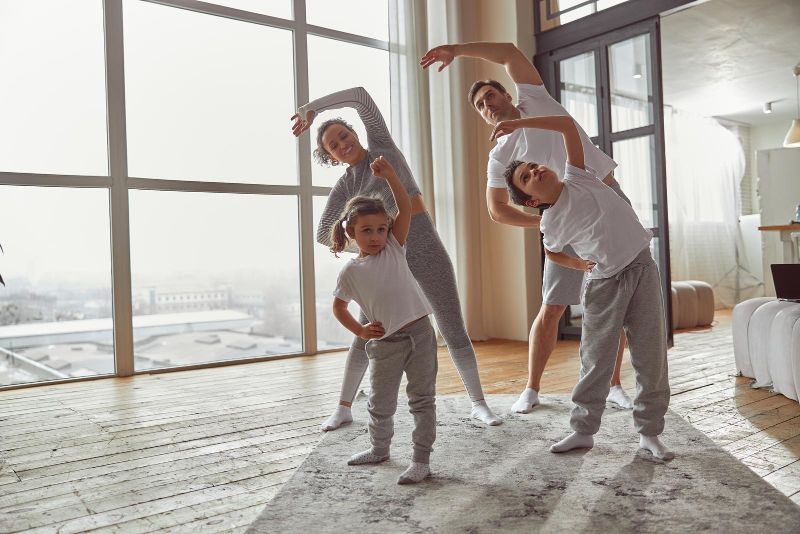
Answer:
(787, 281)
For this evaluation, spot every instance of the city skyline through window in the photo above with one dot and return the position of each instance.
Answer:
(213, 186)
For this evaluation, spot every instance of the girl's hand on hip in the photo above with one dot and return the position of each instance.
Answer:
(372, 330)
(586, 265)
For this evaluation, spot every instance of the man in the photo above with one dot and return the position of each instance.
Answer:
(561, 286)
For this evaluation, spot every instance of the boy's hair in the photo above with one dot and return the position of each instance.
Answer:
(356, 207)
(517, 195)
(321, 155)
(482, 83)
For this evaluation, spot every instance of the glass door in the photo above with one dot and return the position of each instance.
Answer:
(611, 85)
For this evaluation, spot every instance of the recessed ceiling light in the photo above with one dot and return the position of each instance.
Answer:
(767, 107)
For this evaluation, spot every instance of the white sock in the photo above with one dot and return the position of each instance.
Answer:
(654, 445)
(576, 440)
(367, 457)
(526, 401)
(481, 410)
(416, 472)
(618, 396)
(340, 416)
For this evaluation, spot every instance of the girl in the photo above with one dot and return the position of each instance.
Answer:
(400, 334)
(338, 144)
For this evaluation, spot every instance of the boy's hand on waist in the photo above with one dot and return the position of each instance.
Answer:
(586, 265)
(372, 330)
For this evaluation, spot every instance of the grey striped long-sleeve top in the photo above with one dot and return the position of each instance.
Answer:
(358, 179)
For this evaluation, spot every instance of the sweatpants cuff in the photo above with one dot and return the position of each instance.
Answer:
(380, 451)
(421, 457)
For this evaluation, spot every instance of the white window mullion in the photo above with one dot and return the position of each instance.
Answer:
(118, 170)
(307, 238)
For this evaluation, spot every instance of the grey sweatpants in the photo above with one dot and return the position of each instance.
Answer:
(631, 299)
(411, 350)
(431, 266)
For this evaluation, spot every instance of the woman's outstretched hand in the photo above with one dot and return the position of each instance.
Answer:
(381, 168)
(302, 124)
(441, 54)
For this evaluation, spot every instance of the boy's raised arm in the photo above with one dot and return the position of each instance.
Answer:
(563, 124)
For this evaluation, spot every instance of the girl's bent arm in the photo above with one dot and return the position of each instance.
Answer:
(402, 222)
(364, 331)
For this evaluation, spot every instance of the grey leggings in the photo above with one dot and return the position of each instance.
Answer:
(431, 266)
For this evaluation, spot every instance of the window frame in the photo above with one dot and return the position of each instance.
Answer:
(119, 182)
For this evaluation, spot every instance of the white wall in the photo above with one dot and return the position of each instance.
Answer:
(769, 135)
(783, 193)
(511, 256)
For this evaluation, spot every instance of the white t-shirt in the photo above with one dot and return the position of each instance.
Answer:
(544, 147)
(596, 222)
(382, 284)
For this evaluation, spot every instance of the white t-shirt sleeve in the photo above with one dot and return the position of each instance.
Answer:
(574, 173)
(343, 290)
(529, 92)
(393, 244)
(552, 243)
(494, 174)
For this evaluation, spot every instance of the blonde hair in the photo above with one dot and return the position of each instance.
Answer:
(356, 207)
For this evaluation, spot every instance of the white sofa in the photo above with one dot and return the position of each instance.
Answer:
(766, 343)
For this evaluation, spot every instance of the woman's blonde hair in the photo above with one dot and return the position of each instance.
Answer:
(355, 208)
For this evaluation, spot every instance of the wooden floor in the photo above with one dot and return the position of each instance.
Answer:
(202, 451)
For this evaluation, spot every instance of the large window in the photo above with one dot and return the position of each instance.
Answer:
(157, 211)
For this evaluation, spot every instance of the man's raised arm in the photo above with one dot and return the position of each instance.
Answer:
(519, 68)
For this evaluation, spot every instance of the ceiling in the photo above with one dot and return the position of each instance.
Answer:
(726, 58)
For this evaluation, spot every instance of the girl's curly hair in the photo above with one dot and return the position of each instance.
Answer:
(321, 155)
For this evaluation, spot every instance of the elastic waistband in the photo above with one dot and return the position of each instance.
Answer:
(415, 327)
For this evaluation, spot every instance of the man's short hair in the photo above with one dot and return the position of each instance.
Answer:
(482, 83)
(517, 195)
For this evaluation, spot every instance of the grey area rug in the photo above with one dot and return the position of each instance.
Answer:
(504, 479)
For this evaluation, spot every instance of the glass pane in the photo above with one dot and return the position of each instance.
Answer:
(326, 75)
(52, 97)
(631, 84)
(635, 174)
(275, 8)
(579, 90)
(330, 333)
(369, 18)
(208, 98)
(214, 277)
(55, 311)
(555, 6)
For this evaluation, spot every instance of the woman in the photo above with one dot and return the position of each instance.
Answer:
(338, 144)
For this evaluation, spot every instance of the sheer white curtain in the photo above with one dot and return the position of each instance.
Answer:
(433, 132)
(705, 164)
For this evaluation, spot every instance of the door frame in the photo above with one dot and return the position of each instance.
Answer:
(548, 65)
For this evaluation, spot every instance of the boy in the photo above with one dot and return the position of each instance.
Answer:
(623, 287)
